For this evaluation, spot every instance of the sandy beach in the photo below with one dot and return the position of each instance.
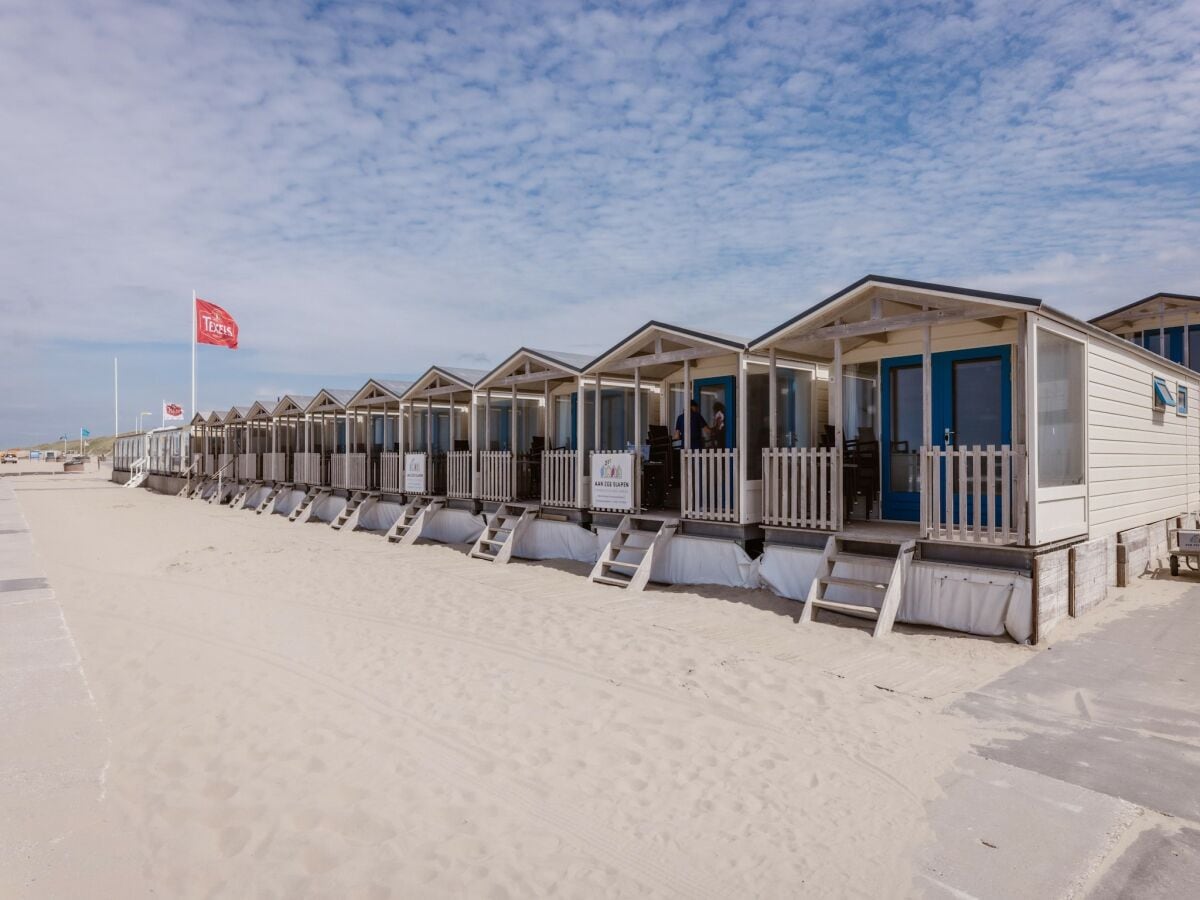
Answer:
(277, 710)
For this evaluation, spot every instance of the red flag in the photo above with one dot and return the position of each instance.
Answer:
(215, 326)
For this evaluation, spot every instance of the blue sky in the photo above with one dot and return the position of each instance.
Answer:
(373, 187)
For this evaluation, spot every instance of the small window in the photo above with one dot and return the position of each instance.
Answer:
(1181, 399)
(1162, 394)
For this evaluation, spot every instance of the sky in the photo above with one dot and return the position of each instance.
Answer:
(371, 188)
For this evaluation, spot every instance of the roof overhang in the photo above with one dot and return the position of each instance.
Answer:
(527, 366)
(658, 348)
(236, 415)
(437, 382)
(1155, 304)
(914, 303)
(291, 405)
(326, 401)
(258, 412)
(376, 393)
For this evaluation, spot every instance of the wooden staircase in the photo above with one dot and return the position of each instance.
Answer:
(503, 529)
(890, 563)
(139, 472)
(627, 559)
(348, 517)
(277, 491)
(224, 490)
(306, 507)
(243, 494)
(412, 521)
(197, 492)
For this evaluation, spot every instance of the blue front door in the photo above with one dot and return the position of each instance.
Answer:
(718, 407)
(971, 405)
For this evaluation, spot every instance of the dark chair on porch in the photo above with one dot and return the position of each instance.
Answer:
(860, 474)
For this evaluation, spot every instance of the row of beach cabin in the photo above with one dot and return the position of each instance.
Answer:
(900, 450)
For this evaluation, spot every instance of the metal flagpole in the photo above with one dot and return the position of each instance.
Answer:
(194, 323)
(116, 401)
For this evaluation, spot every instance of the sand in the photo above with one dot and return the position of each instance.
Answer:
(283, 710)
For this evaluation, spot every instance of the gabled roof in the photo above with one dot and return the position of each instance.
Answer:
(466, 379)
(201, 418)
(851, 293)
(678, 333)
(236, 414)
(556, 364)
(378, 387)
(1131, 310)
(216, 418)
(292, 404)
(258, 411)
(328, 399)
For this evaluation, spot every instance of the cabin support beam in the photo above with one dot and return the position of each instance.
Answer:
(580, 439)
(835, 414)
(897, 323)
(685, 439)
(669, 357)
(772, 400)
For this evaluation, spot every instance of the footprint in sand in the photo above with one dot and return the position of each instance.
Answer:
(232, 840)
(220, 790)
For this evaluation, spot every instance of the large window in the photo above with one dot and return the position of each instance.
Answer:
(793, 407)
(1061, 379)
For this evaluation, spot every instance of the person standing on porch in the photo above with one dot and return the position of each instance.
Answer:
(716, 430)
(698, 427)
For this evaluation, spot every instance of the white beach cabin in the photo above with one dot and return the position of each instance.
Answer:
(977, 466)
(439, 449)
(674, 457)
(369, 472)
(528, 478)
(315, 466)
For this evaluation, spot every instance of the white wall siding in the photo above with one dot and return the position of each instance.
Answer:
(1143, 465)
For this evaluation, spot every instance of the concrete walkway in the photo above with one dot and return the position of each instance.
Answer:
(1088, 780)
(54, 745)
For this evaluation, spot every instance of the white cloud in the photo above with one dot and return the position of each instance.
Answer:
(378, 189)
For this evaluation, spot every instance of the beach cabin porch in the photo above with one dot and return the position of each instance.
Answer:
(676, 429)
(377, 416)
(199, 445)
(287, 439)
(531, 431)
(670, 411)
(234, 441)
(438, 443)
(926, 421)
(936, 397)
(529, 480)
(438, 449)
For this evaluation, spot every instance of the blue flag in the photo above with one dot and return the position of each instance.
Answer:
(84, 432)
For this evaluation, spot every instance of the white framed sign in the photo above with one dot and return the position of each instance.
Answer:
(612, 481)
(414, 473)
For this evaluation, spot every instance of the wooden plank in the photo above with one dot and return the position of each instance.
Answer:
(899, 323)
(667, 358)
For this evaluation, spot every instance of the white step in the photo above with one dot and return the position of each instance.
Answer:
(892, 588)
(608, 568)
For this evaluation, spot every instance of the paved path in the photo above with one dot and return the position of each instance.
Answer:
(53, 744)
(1088, 783)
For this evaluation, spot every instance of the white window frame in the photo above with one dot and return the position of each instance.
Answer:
(1039, 495)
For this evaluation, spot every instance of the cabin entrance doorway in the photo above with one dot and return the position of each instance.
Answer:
(971, 405)
(717, 399)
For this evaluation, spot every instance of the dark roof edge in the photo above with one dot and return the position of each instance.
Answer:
(1032, 302)
(654, 323)
(1154, 296)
